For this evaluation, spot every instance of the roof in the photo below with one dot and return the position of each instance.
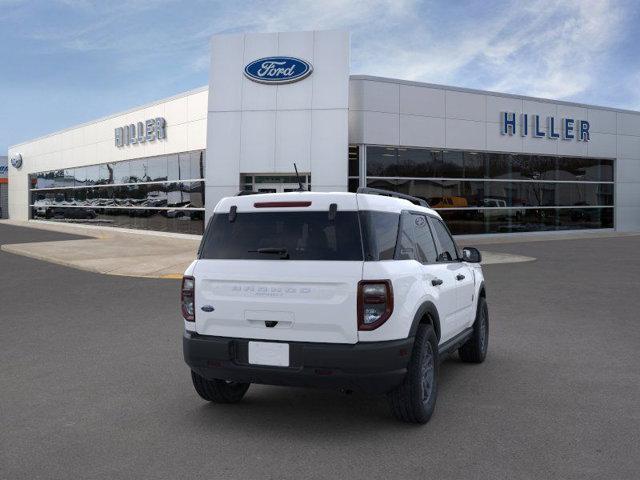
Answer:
(487, 92)
(318, 201)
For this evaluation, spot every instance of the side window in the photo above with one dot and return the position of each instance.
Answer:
(380, 231)
(425, 246)
(447, 251)
(405, 248)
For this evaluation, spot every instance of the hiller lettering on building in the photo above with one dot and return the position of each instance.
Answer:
(147, 131)
(525, 124)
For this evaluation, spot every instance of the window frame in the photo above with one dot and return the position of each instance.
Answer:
(439, 247)
(401, 223)
(429, 216)
(426, 215)
(365, 234)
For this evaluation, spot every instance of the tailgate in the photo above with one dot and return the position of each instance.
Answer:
(304, 301)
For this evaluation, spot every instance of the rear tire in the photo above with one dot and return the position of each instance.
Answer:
(475, 349)
(415, 400)
(219, 391)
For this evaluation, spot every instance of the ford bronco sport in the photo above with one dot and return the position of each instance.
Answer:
(358, 291)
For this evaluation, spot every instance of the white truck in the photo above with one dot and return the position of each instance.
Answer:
(358, 291)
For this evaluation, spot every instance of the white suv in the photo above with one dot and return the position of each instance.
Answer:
(357, 291)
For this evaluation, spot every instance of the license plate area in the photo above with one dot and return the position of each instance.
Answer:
(269, 353)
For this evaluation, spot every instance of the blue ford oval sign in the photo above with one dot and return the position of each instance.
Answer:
(278, 70)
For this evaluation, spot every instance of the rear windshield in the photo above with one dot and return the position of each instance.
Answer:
(283, 235)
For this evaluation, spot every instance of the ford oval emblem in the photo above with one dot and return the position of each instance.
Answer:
(16, 160)
(278, 70)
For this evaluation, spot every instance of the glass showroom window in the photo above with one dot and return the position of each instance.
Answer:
(482, 192)
(157, 193)
(354, 167)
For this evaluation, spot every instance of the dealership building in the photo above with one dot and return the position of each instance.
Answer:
(488, 162)
(4, 187)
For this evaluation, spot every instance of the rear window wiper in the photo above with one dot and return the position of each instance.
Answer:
(283, 252)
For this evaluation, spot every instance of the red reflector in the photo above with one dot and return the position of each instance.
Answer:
(280, 204)
(323, 372)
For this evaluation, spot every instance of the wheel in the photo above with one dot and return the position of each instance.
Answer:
(475, 349)
(219, 391)
(415, 400)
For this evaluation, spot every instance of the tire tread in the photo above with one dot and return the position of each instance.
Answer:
(218, 391)
(471, 351)
(404, 400)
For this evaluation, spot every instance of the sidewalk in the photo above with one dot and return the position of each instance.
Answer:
(111, 251)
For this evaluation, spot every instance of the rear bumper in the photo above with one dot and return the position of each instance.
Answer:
(372, 367)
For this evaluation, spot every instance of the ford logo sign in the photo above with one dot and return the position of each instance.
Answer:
(277, 70)
(16, 160)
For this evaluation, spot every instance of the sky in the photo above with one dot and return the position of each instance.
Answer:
(65, 62)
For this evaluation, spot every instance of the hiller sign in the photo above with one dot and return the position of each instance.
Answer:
(147, 131)
(566, 128)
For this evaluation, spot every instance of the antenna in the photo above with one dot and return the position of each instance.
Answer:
(301, 188)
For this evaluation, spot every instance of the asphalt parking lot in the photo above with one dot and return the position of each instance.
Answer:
(93, 385)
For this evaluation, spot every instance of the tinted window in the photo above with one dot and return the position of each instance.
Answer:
(105, 173)
(69, 190)
(452, 164)
(406, 241)
(303, 235)
(157, 169)
(439, 193)
(414, 162)
(447, 249)
(189, 166)
(173, 167)
(354, 161)
(58, 178)
(474, 165)
(80, 176)
(382, 161)
(380, 231)
(138, 171)
(425, 247)
(121, 172)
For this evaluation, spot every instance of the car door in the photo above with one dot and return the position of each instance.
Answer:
(438, 279)
(461, 273)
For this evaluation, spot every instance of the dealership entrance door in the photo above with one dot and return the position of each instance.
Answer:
(273, 183)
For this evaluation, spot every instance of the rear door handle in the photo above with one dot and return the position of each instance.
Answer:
(436, 281)
(459, 277)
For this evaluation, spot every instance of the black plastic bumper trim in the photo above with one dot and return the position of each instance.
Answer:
(372, 367)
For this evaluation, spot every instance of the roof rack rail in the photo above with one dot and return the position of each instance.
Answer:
(242, 193)
(388, 193)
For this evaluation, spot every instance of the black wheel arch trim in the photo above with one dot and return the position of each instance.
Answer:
(482, 291)
(427, 308)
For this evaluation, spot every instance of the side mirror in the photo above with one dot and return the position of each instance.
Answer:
(471, 255)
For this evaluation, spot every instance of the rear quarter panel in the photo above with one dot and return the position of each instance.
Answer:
(409, 293)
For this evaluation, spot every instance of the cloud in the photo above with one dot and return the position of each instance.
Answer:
(539, 48)
(557, 51)
(548, 49)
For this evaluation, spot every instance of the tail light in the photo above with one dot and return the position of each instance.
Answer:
(375, 303)
(187, 298)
